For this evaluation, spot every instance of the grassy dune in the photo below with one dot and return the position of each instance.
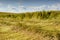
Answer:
(43, 25)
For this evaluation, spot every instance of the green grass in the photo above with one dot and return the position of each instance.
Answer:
(43, 25)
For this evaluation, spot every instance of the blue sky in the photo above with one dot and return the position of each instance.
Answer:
(28, 5)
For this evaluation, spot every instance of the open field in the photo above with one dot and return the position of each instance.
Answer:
(43, 25)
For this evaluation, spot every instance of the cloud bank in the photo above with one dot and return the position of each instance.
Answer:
(22, 8)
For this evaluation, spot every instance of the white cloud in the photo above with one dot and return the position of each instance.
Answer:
(38, 8)
(21, 8)
(11, 8)
(46, 7)
(54, 7)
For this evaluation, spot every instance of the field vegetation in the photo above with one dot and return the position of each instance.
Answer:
(40, 25)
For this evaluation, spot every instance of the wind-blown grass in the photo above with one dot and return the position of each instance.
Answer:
(43, 25)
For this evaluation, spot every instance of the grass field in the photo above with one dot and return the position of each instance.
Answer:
(43, 25)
